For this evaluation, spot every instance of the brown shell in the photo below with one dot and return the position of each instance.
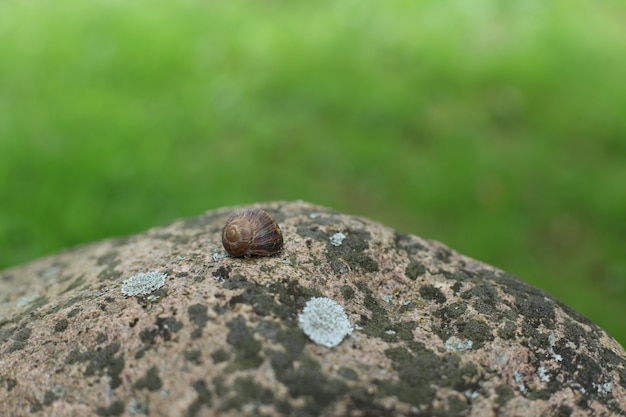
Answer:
(251, 232)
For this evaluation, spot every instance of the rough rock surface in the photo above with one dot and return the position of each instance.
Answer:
(435, 333)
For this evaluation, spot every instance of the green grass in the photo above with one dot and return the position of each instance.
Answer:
(495, 127)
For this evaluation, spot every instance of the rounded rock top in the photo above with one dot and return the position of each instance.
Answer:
(417, 329)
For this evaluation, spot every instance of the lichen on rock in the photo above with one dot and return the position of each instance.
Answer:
(324, 321)
(434, 332)
(143, 283)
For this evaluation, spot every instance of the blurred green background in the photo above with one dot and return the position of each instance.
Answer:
(496, 127)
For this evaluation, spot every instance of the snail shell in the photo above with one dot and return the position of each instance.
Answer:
(251, 232)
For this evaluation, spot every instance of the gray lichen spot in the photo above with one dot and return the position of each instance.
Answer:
(203, 397)
(162, 329)
(193, 356)
(76, 283)
(52, 272)
(324, 321)
(115, 409)
(476, 331)
(101, 337)
(348, 373)
(303, 377)
(58, 390)
(54, 394)
(20, 340)
(137, 407)
(378, 322)
(452, 311)
(48, 398)
(543, 374)
(101, 361)
(414, 270)
(454, 344)
(108, 274)
(220, 355)
(11, 383)
(61, 325)
(347, 292)
(150, 381)
(430, 292)
(109, 259)
(337, 239)
(244, 393)
(351, 253)
(507, 330)
(241, 338)
(26, 300)
(143, 283)
(419, 370)
(603, 389)
(22, 335)
(198, 316)
(505, 393)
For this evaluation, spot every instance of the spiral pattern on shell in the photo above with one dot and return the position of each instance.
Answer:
(251, 232)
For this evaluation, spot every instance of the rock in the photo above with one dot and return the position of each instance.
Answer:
(434, 332)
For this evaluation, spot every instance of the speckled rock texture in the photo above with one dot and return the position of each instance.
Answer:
(435, 333)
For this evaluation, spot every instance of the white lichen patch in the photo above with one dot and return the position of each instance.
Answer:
(518, 378)
(454, 344)
(137, 407)
(603, 389)
(143, 283)
(337, 239)
(58, 390)
(26, 300)
(471, 395)
(552, 341)
(543, 374)
(217, 255)
(324, 321)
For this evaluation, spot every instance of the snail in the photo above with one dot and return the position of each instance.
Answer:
(251, 232)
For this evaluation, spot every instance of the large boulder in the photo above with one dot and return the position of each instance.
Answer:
(433, 332)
